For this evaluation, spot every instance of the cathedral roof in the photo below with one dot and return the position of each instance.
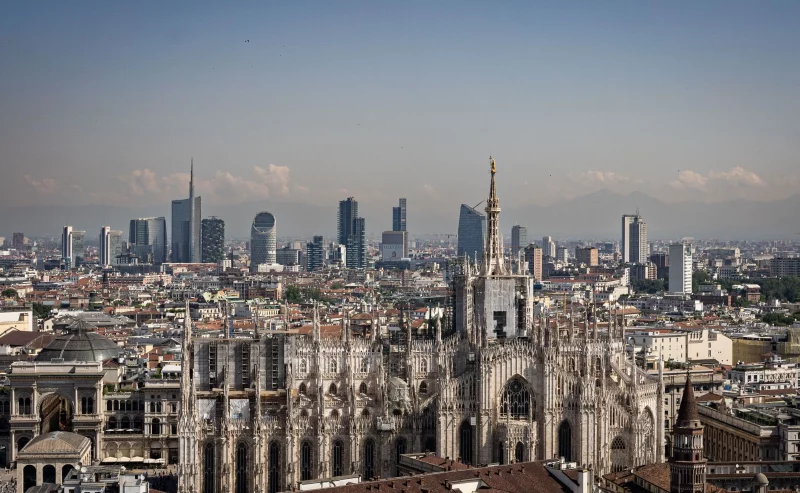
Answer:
(82, 344)
(688, 410)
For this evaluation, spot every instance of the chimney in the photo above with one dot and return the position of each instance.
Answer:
(584, 481)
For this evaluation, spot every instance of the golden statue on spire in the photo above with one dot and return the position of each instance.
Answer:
(494, 167)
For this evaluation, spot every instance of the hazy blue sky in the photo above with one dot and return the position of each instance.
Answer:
(105, 102)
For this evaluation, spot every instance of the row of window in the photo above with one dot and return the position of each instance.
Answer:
(333, 366)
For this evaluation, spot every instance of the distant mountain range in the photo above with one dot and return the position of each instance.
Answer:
(596, 215)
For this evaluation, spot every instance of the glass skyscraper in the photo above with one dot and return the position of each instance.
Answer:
(352, 234)
(148, 239)
(471, 233)
(263, 239)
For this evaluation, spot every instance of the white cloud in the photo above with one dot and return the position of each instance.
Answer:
(738, 176)
(45, 186)
(689, 180)
(597, 177)
(225, 187)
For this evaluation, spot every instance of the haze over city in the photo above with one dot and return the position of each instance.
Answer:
(105, 104)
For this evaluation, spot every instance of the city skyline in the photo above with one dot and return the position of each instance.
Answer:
(644, 97)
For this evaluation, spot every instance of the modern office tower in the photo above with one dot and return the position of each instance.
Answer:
(212, 240)
(78, 247)
(519, 239)
(186, 215)
(548, 246)
(116, 246)
(661, 261)
(471, 233)
(680, 268)
(393, 245)
(148, 239)
(263, 238)
(66, 246)
(18, 241)
(315, 254)
(352, 233)
(288, 256)
(533, 256)
(562, 254)
(399, 216)
(783, 267)
(105, 246)
(634, 246)
(588, 256)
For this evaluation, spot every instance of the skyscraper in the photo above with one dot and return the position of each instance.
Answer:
(533, 256)
(548, 246)
(186, 215)
(105, 245)
(212, 240)
(471, 232)
(263, 239)
(315, 254)
(78, 247)
(352, 233)
(680, 268)
(634, 246)
(393, 246)
(148, 239)
(18, 241)
(399, 216)
(66, 246)
(519, 239)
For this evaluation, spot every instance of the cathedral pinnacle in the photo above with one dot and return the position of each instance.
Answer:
(493, 263)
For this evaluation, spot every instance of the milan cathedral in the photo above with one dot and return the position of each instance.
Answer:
(512, 381)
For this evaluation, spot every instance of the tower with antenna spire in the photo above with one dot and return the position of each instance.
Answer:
(186, 219)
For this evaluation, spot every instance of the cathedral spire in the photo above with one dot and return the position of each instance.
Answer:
(315, 323)
(186, 358)
(493, 251)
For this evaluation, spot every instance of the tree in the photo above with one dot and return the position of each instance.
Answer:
(777, 319)
(40, 310)
(337, 285)
(699, 277)
(293, 294)
(648, 286)
(9, 293)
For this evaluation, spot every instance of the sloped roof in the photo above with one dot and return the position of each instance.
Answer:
(688, 410)
(56, 442)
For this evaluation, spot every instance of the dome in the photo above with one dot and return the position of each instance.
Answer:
(760, 478)
(81, 344)
(56, 442)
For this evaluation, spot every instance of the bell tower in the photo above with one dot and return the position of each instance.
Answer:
(687, 467)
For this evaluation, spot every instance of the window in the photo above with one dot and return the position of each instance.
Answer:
(337, 458)
(516, 400)
(303, 366)
(333, 368)
(305, 461)
(423, 366)
(155, 427)
(332, 389)
(364, 365)
(242, 469)
(302, 389)
(273, 484)
(362, 388)
(423, 388)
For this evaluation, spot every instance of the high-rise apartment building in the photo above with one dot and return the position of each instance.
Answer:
(78, 247)
(785, 266)
(18, 241)
(533, 256)
(315, 254)
(634, 246)
(588, 256)
(399, 216)
(661, 261)
(148, 239)
(548, 247)
(263, 241)
(110, 246)
(680, 268)
(352, 234)
(471, 233)
(186, 215)
(212, 240)
(562, 254)
(519, 239)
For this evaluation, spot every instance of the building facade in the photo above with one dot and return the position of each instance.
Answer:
(148, 239)
(533, 256)
(186, 214)
(315, 254)
(588, 256)
(471, 233)
(352, 234)
(263, 241)
(399, 216)
(212, 240)
(680, 268)
(519, 239)
(494, 390)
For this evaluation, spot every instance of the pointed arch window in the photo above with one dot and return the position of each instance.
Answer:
(274, 468)
(423, 366)
(369, 459)
(338, 450)
(242, 469)
(362, 389)
(333, 367)
(305, 461)
(208, 469)
(619, 455)
(303, 366)
(516, 400)
(364, 365)
(332, 389)
(302, 389)
(423, 388)
(519, 452)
